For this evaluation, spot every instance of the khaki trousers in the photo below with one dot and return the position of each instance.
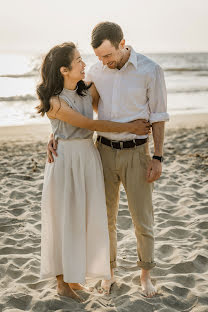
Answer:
(129, 167)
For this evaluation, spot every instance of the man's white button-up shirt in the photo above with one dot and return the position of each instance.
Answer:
(136, 91)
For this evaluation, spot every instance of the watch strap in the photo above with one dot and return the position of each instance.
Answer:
(160, 158)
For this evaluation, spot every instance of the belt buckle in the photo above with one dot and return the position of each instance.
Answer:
(134, 140)
(114, 141)
(111, 143)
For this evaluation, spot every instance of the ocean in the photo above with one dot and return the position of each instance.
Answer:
(186, 77)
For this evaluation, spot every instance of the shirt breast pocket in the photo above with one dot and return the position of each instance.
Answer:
(137, 97)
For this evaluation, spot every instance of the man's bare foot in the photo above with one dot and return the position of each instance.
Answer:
(63, 289)
(78, 286)
(106, 284)
(147, 287)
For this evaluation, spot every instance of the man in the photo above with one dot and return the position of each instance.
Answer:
(131, 86)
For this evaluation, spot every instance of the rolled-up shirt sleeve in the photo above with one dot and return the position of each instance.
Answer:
(157, 96)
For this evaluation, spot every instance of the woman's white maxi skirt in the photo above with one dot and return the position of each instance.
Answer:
(74, 238)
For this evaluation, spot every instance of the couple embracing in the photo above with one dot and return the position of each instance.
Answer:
(80, 197)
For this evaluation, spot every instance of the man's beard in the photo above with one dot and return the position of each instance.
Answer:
(113, 66)
(119, 64)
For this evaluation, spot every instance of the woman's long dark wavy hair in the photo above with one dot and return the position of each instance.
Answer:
(52, 80)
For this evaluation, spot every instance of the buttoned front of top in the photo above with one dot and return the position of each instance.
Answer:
(136, 91)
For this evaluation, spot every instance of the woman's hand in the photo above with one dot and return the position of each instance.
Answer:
(95, 97)
(140, 127)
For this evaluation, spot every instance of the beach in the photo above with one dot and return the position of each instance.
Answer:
(181, 228)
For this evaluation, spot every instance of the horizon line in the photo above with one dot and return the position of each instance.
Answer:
(23, 52)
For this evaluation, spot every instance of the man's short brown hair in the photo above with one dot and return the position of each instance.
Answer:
(106, 31)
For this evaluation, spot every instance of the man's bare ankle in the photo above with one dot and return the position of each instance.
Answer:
(145, 273)
(112, 272)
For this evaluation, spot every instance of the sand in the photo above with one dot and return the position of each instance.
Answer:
(181, 228)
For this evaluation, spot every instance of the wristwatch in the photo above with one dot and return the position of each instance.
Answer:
(160, 158)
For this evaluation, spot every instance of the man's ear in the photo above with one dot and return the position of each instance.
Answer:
(122, 43)
(63, 70)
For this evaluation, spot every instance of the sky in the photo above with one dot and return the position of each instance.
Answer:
(34, 26)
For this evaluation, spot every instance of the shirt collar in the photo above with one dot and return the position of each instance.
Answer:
(132, 59)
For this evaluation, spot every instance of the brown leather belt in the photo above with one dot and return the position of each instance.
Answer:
(121, 144)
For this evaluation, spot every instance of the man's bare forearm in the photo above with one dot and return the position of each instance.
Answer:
(158, 130)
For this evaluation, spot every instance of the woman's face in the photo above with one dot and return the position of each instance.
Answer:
(77, 71)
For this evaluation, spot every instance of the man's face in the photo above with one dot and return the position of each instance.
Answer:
(109, 55)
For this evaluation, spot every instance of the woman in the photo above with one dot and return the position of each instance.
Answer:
(74, 242)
